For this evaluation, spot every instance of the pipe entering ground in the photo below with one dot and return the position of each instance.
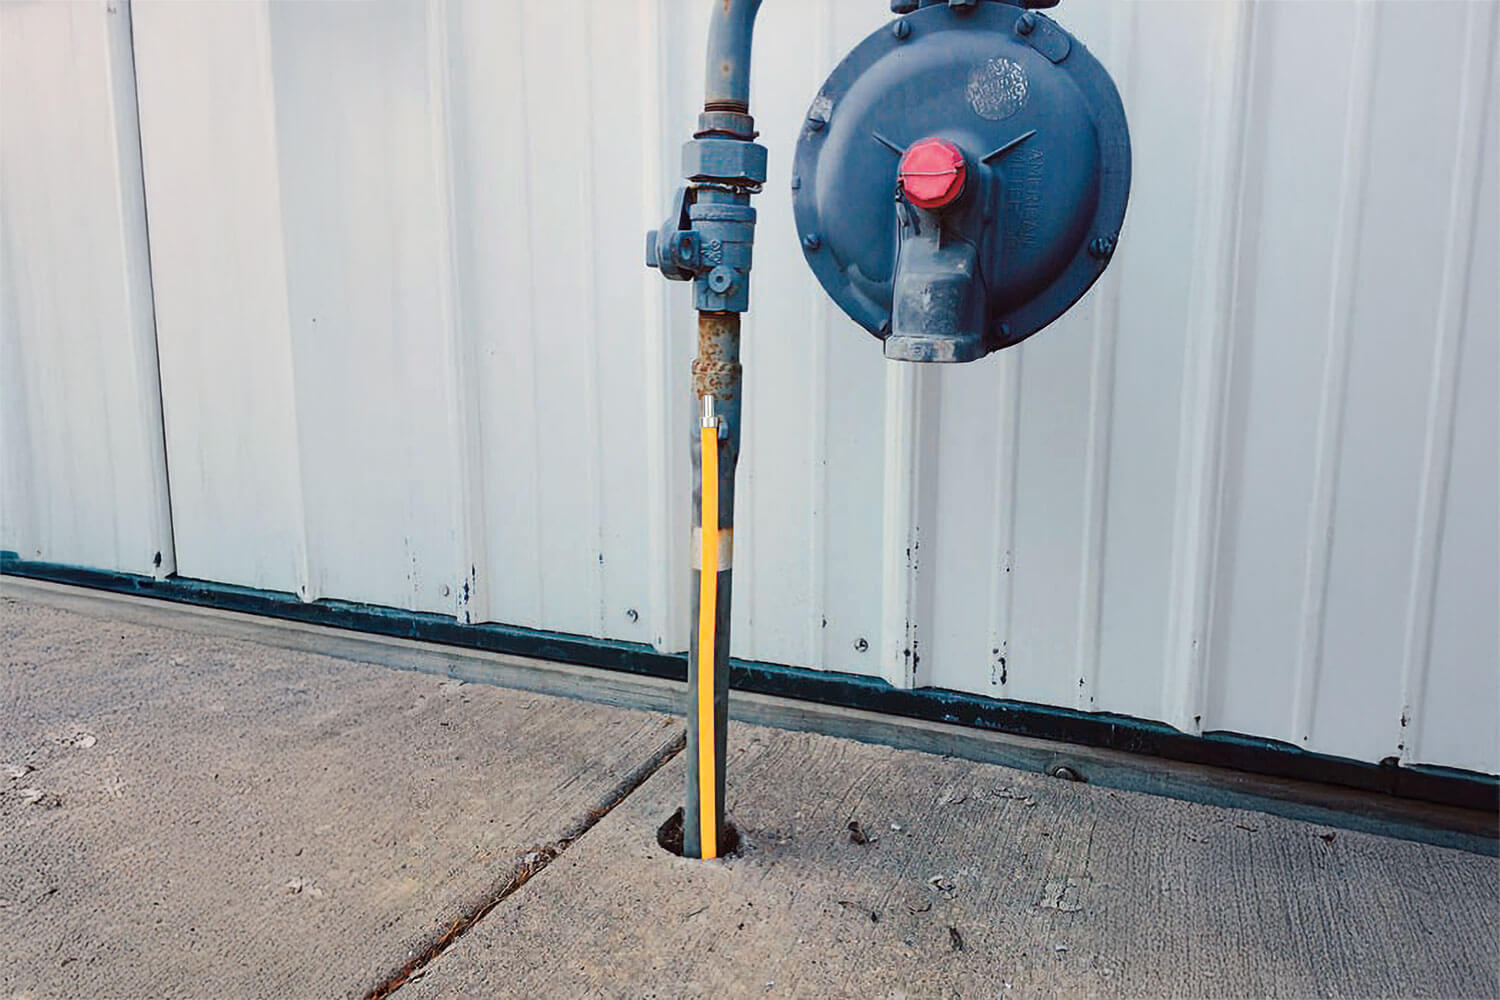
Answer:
(707, 239)
(669, 837)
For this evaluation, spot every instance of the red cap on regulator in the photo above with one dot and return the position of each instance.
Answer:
(932, 173)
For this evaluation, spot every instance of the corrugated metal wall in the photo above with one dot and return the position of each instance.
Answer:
(82, 473)
(408, 354)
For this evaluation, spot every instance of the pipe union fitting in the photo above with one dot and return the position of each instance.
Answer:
(725, 161)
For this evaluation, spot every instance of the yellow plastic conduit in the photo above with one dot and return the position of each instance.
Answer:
(708, 594)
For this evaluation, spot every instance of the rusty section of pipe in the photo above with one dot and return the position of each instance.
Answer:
(717, 372)
(716, 369)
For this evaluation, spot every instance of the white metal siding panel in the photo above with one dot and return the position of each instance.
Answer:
(778, 572)
(808, 534)
(491, 225)
(305, 338)
(565, 332)
(1451, 703)
(1249, 484)
(362, 226)
(219, 275)
(82, 477)
(1310, 80)
(1182, 123)
(620, 413)
(1399, 276)
(554, 339)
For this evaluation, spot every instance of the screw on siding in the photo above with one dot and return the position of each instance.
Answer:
(632, 614)
(860, 645)
(811, 241)
(446, 591)
(901, 29)
(1102, 246)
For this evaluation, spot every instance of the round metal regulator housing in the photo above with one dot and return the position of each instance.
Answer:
(1046, 150)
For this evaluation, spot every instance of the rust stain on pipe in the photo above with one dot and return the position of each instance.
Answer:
(716, 369)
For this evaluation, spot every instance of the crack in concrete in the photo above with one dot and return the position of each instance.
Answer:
(532, 862)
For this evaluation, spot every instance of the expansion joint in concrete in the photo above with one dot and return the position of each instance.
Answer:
(528, 865)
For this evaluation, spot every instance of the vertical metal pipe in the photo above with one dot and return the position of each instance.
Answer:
(716, 373)
(727, 81)
(724, 179)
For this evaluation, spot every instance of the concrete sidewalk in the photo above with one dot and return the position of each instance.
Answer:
(975, 880)
(195, 816)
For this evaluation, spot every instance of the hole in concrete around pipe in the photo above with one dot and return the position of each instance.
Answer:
(669, 837)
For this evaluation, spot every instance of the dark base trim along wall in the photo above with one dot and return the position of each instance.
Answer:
(1444, 786)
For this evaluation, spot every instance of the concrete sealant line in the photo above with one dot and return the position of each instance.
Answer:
(525, 867)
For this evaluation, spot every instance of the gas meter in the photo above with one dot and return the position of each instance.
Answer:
(961, 177)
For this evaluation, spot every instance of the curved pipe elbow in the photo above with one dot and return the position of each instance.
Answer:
(727, 84)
